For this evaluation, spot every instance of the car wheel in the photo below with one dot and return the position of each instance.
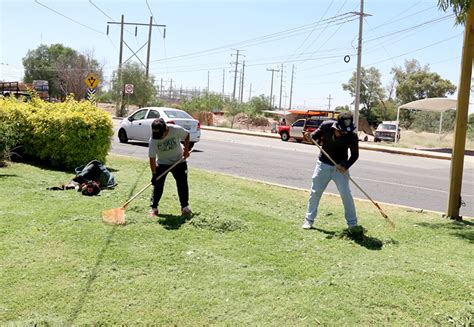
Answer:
(122, 135)
(285, 136)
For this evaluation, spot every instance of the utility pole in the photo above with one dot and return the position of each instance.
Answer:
(273, 70)
(161, 87)
(291, 88)
(329, 102)
(148, 47)
(281, 85)
(250, 92)
(223, 83)
(235, 73)
(170, 90)
(122, 41)
(242, 82)
(462, 112)
(359, 64)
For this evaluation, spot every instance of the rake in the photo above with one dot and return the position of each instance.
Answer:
(391, 223)
(116, 216)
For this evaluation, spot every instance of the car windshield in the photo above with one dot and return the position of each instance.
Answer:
(177, 114)
(387, 126)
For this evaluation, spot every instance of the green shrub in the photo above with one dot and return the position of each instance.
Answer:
(65, 134)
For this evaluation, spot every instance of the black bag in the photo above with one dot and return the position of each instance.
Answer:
(94, 171)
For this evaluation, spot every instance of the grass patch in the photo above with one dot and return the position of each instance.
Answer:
(242, 259)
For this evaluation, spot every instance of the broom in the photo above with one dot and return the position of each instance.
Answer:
(116, 216)
(391, 223)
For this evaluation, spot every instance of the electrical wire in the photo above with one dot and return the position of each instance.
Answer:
(256, 41)
(69, 18)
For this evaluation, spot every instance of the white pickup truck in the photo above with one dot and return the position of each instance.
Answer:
(387, 131)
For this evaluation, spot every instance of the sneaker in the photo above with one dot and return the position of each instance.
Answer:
(307, 224)
(186, 211)
(154, 212)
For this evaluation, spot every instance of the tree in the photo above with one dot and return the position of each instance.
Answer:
(206, 102)
(64, 68)
(144, 91)
(342, 108)
(414, 82)
(460, 8)
(257, 105)
(232, 109)
(371, 91)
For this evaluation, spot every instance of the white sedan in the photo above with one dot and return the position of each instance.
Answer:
(137, 126)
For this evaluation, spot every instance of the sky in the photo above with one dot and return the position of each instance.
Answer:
(202, 38)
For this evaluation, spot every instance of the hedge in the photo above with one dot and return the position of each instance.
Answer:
(65, 135)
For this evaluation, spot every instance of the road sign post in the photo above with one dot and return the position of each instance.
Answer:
(128, 89)
(92, 82)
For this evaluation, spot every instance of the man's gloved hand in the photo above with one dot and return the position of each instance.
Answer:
(154, 177)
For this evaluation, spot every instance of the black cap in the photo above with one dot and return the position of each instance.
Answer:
(345, 122)
(158, 128)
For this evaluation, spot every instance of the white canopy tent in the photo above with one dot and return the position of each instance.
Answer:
(432, 104)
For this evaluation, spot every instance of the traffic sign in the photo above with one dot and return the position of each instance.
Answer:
(91, 81)
(129, 88)
(91, 95)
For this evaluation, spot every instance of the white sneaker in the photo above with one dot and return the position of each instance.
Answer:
(307, 224)
(186, 211)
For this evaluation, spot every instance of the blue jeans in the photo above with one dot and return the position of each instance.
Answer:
(323, 174)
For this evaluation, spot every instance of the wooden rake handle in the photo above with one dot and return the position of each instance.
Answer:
(357, 185)
(149, 184)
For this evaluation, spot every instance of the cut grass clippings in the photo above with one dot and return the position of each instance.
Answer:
(243, 259)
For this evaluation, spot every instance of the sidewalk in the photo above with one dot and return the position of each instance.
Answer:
(362, 145)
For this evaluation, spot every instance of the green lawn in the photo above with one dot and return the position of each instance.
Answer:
(242, 260)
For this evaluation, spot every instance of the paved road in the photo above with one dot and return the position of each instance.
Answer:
(403, 180)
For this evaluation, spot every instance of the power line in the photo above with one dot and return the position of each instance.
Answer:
(450, 38)
(72, 20)
(90, 1)
(436, 20)
(260, 40)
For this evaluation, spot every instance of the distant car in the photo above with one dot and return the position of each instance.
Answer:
(294, 131)
(387, 131)
(137, 126)
(299, 127)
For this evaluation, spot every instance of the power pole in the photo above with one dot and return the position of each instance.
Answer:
(170, 90)
(223, 83)
(291, 88)
(359, 64)
(273, 70)
(161, 87)
(122, 41)
(281, 85)
(242, 82)
(250, 92)
(148, 47)
(235, 73)
(150, 25)
(329, 102)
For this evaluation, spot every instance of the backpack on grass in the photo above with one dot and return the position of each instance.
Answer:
(94, 171)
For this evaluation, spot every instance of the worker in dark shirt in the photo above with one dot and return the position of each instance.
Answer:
(336, 138)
